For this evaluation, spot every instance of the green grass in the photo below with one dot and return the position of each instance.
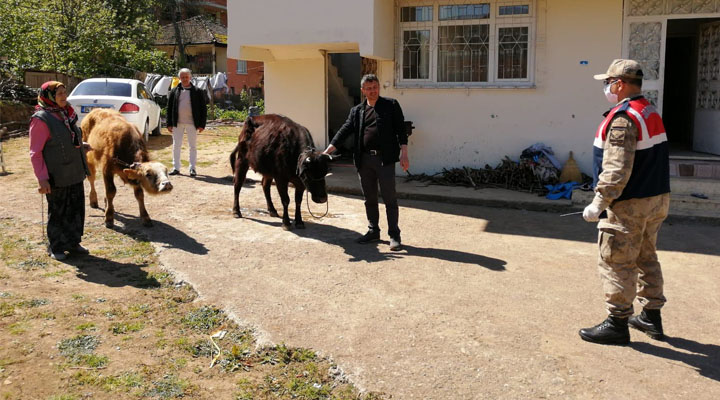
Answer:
(55, 274)
(63, 397)
(289, 355)
(138, 310)
(78, 297)
(93, 360)
(88, 326)
(123, 382)
(119, 328)
(18, 328)
(169, 387)
(7, 309)
(33, 303)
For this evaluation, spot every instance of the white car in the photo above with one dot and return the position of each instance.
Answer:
(129, 96)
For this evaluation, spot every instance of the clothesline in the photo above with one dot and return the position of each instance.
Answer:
(160, 85)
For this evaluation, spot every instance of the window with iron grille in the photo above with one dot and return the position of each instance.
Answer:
(241, 67)
(455, 43)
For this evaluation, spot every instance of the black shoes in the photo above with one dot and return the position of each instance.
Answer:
(649, 322)
(611, 331)
(370, 236)
(395, 244)
(174, 172)
(193, 173)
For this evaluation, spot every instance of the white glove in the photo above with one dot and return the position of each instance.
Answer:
(592, 213)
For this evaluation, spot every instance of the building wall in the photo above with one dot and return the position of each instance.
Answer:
(252, 79)
(296, 88)
(217, 8)
(326, 24)
(459, 127)
(454, 127)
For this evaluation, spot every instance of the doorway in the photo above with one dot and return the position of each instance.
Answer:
(680, 83)
(691, 122)
(343, 91)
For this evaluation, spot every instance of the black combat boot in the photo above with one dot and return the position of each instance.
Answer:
(613, 330)
(650, 322)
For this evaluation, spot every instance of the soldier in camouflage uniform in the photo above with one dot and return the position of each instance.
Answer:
(632, 186)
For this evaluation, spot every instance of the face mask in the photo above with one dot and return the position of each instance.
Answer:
(611, 97)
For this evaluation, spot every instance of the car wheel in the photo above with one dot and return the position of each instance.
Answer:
(156, 131)
(146, 131)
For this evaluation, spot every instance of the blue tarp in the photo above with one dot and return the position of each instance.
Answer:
(561, 190)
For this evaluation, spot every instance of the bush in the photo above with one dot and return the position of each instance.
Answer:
(236, 115)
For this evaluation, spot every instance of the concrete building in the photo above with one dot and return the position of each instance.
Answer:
(485, 79)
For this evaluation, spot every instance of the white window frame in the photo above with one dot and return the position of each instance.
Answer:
(496, 21)
(238, 70)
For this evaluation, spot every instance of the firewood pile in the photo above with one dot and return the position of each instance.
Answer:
(509, 174)
(11, 89)
(6, 134)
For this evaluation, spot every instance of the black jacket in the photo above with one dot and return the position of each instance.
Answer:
(391, 128)
(197, 102)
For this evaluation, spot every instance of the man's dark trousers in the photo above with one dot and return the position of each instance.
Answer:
(371, 172)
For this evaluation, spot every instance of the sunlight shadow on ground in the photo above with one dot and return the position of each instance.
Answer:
(704, 358)
(160, 232)
(110, 273)
(370, 252)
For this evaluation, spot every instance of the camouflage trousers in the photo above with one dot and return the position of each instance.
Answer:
(628, 262)
(66, 216)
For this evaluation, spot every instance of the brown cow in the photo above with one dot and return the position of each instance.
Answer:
(119, 149)
(280, 149)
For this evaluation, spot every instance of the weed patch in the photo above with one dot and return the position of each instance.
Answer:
(78, 346)
(170, 386)
(119, 328)
(18, 328)
(7, 309)
(33, 303)
(89, 326)
(201, 348)
(203, 319)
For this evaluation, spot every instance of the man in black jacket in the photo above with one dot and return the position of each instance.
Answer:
(186, 112)
(378, 131)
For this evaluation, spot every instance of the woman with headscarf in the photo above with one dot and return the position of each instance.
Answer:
(57, 153)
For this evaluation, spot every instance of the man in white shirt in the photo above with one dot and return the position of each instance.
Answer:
(186, 113)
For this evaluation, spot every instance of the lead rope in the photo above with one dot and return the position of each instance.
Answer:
(307, 201)
(42, 218)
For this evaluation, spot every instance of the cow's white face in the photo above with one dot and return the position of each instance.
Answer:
(152, 176)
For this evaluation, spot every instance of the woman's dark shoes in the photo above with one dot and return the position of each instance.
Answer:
(174, 172)
(57, 255)
(649, 322)
(611, 331)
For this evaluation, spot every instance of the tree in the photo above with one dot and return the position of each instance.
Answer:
(82, 37)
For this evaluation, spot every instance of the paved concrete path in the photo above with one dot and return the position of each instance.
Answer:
(482, 303)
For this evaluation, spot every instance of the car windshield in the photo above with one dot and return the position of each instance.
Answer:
(103, 88)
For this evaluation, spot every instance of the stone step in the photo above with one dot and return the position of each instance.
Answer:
(696, 167)
(708, 187)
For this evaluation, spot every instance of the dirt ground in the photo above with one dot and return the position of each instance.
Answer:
(482, 303)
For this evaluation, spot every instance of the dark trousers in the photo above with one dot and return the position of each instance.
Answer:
(66, 217)
(371, 173)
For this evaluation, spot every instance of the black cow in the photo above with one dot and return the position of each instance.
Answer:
(281, 149)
